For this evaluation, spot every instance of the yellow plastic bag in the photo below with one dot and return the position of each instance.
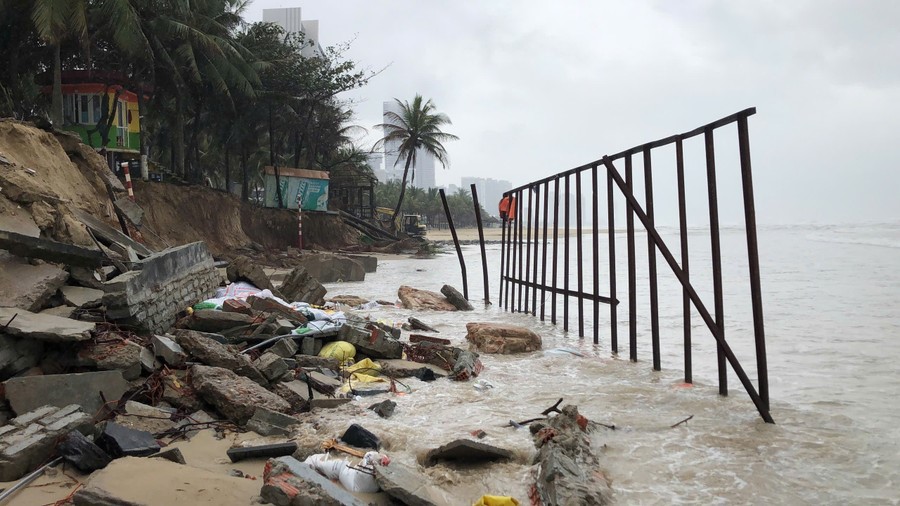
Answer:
(341, 350)
(496, 500)
(370, 371)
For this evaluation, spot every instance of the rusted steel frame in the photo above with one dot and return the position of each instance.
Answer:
(651, 263)
(611, 226)
(566, 255)
(685, 264)
(579, 253)
(484, 267)
(528, 249)
(595, 220)
(544, 250)
(695, 298)
(555, 249)
(500, 297)
(632, 268)
(534, 274)
(762, 368)
(574, 293)
(520, 244)
(511, 256)
(651, 145)
(718, 292)
(462, 262)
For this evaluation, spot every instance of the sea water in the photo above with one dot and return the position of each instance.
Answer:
(831, 298)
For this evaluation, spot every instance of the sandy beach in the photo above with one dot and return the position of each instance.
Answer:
(465, 234)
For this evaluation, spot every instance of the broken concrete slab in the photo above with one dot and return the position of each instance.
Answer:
(31, 439)
(369, 262)
(237, 306)
(206, 349)
(234, 396)
(331, 268)
(418, 324)
(372, 342)
(419, 338)
(568, 470)
(172, 455)
(360, 437)
(144, 417)
(243, 268)
(60, 311)
(110, 234)
(80, 296)
(466, 367)
(384, 409)
(168, 350)
(43, 326)
(114, 485)
(399, 368)
(466, 451)
(17, 355)
(285, 348)
(83, 454)
(124, 356)
(266, 422)
(300, 286)
(51, 251)
(120, 441)
(26, 393)
(130, 210)
(211, 320)
(314, 362)
(404, 484)
(272, 306)
(413, 298)
(456, 298)
(348, 300)
(502, 338)
(240, 453)
(28, 286)
(289, 482)
(328, 403)
(271, 366)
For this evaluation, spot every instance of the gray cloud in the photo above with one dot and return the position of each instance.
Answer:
(534, 88)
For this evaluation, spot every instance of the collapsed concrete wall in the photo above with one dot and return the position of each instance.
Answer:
(167, 282)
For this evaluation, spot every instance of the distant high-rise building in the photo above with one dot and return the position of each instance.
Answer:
(292, 22)
(490, 191)
(394, 166)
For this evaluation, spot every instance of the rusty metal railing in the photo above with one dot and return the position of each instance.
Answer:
(525, 244)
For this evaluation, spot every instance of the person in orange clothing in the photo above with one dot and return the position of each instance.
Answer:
(508, 208)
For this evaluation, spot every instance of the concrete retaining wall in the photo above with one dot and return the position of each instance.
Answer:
(168, 282)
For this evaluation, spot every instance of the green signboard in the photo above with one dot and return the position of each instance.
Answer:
(312, 193)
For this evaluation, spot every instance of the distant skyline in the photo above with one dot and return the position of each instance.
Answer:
(535, 88)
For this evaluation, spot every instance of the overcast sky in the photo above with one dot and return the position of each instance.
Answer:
(534, 88)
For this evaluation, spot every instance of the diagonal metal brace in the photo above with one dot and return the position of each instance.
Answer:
(695, 298)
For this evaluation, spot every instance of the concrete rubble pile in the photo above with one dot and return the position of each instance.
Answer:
(108, 377)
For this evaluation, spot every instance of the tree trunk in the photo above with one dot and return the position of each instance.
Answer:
(178, 136)
(227, 168)
(278, 194)
(402, 191)
(56, 101)
(245, 183)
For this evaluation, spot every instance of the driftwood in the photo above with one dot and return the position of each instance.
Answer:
(681, 422)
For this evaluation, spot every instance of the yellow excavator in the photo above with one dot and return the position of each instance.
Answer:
(412, 225)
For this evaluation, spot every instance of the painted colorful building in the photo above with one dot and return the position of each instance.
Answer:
(85, 95)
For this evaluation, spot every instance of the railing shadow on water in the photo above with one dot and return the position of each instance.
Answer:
(534, 228)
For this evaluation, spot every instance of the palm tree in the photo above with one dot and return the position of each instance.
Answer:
(417, 126)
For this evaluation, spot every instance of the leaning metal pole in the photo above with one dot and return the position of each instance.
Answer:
(462, 263)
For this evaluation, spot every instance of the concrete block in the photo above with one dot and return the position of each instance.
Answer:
(266, 422)
(466, 451)
(285, 348)
(404, 484)
(168, 350)
(28, 393)
(271, 366)
(236, 397)
(44, 327)
(371, 342)
(27, 286)
(80, 296)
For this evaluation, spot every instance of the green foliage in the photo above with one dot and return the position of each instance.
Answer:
(428, 204)
(218, 93)
(417, 126)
